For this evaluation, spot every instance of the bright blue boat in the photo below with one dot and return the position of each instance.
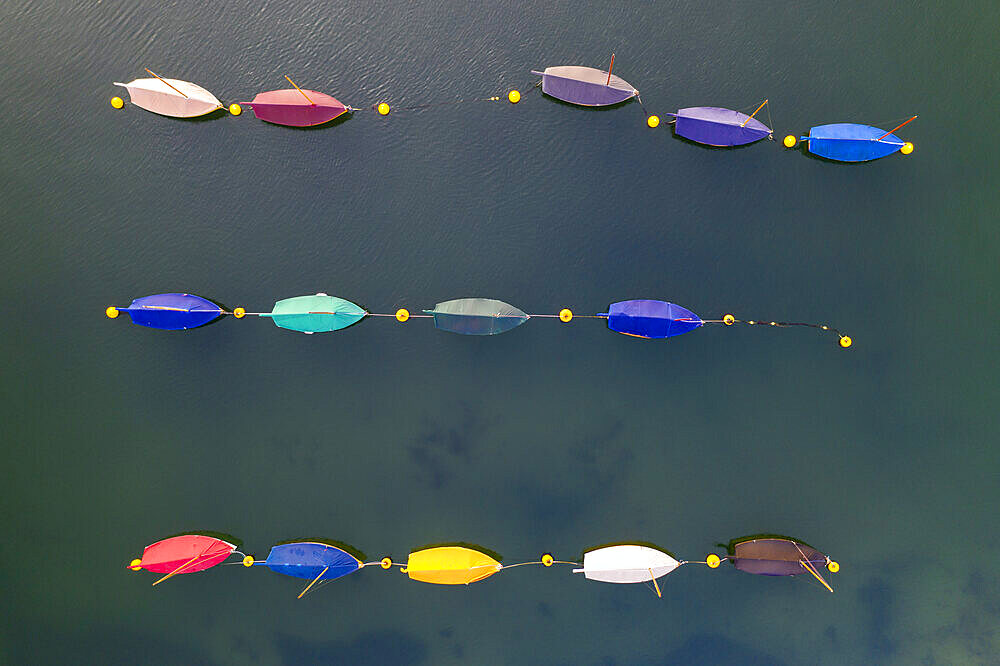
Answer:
(851, 142)
(171, 312)
(650, 319)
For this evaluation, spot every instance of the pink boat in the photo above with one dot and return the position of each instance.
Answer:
(296, 107)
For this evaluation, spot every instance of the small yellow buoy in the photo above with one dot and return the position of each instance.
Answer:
(117, 102)
(402, 314)
(386, 563)
(653, 121)
(845, 341)
(135, 564)
(547, 559)
(112, 312)
(565, 315)
(383, 109)
(907, 148)
(833, 566)
(248, 561)
(239, 313)
(790, 141)
(513, 97)
(728, 320)
(713, 561)
(235, 109)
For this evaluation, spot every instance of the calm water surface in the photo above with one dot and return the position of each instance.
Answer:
(551, 437)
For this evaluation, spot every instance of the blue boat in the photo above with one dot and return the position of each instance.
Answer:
(852, 142)
(650, 319)
(171, 312)
(310, 560)
(715, 126)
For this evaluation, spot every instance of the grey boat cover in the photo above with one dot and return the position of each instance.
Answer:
(476, 316)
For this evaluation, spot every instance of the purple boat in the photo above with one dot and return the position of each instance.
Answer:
(779, 556)
(715, 126)
(171, 312)
(295, 107)
(585, 86)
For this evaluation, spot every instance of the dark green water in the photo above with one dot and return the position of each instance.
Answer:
(549, 438)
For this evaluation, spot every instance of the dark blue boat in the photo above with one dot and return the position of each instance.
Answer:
(310, 560)
(650, 319)
(172, 312)
(715, 126)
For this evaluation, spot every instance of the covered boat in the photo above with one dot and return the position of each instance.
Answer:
(315, 314)
(650, 319)
(716, 126)
(628, 563)
(312, 560)
(296, 107)
(171, 97)
(450, 565)
(183, 554)
(171, 312)
(851, 142)
(585, 86)
(779, 556)
(476, 316)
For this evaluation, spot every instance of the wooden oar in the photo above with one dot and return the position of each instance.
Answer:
(655, 584)
(895, 128)
(754, 113)
(303, 592)
(178, 569)
(300, 90)
(610, 67)
(805, 563)
(165, 81)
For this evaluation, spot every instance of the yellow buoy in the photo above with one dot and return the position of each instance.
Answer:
(248, 561)
(135, 564)
(235, 109)
(402, 314)
(117, 102)
(565, 315)
(513, 97)
(383, 109)
(845, 341)
(239, 313)
(907, 148)
(386, 563)
(112, 312)
(547, 559)
(653, 121)
(790, 141)
(713, 561)
(729, 320)
(833, 566)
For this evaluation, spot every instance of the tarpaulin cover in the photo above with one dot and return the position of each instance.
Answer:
(626, 564)
(585, 86)
(168, 555)
(715, 126)
(172, 312)
(289, 107)
(476, 316)
(450, 565)
(156, 96)
(306, 559)
(315, 314)
(775, 557)
(651, 319)
(848, 142)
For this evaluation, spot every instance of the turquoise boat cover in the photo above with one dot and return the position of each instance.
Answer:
(476, 316)
(315, 314)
